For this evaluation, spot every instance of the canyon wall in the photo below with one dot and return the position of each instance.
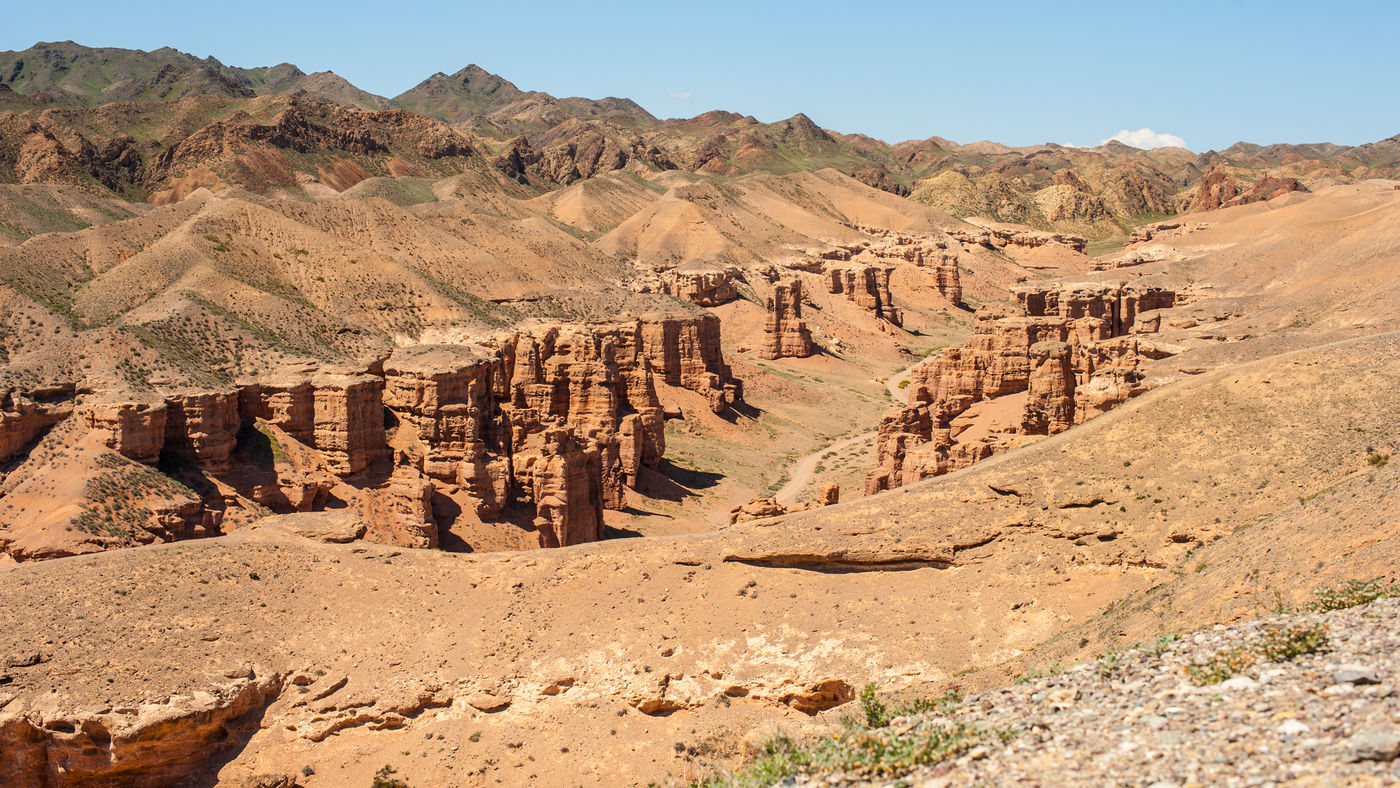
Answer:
(1070, 354)
(558, 421)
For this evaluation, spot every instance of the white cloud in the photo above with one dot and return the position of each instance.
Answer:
(679, 95)
(1146, 139)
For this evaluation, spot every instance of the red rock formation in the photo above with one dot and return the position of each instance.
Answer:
(24, 416)
(949, 282)
(829, 494)
(921, 250)
(1002, 237)
(204, 426)
(565, 486)
(135, 430)
(445, 395)
(559, 419)
(1068, 351)
(869, 287)
(756, 509)
(685, 352)
(1267, 188)
(1050, 404)
(401, 511)
(288, 404)
(1116, 304)
(701, 286)
(1220, 189)
(349, 421)
(785, 334)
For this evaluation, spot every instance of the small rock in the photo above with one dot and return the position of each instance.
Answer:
(1239, 683)
(1154, 722)
(1293, 728)
(1355, 674)
(485, 701)
(1374, 745)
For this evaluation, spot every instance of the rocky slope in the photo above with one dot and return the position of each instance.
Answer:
(1138, 715)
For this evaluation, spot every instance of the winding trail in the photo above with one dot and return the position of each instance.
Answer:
(805, 468)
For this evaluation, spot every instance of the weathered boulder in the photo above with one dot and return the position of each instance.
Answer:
(756, 509)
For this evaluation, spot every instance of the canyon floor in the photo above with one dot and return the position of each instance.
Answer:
(1256, 469)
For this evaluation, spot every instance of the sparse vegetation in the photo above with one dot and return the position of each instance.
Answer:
(1279, 643)
(1378, 460)
(872, 753)
(1352, 593)
(384, 778)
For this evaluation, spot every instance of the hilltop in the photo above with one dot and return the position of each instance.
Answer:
(547, 142)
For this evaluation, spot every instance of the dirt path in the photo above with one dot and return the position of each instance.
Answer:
(802, 472)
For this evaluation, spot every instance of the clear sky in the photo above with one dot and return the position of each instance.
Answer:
(1210, 73)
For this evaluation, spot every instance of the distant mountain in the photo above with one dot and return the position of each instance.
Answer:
(492, 104)
(538, 140)
(72, 75)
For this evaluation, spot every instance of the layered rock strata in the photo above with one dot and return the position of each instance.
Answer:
(1071, 354)
(702, 286)
(937, 253)
(24, 416)
(869, 287)
(559, 420)
(785, 333)
(1002, 237)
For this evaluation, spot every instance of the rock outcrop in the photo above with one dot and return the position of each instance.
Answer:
(685, 352)
(785, 333)
(25, 415)
(557, 420)
(135, 430)
(758, 508)
(1071, 354)
(1002, 237)
(1220, 189)
(703, 286)
(155, 744)
(869, 287)
(923, 251)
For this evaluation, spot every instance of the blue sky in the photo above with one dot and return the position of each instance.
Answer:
(1210, 73)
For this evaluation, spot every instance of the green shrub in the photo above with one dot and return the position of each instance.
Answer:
(1378, 460)
(876, 714)
(384, 778)
(870, 753)
(1279, 643)
(1351, 593)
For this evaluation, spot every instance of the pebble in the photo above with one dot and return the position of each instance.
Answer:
(1330, 718)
